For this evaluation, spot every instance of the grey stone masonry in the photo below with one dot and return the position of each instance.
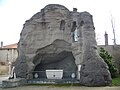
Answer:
(56, 38)
(14, 83)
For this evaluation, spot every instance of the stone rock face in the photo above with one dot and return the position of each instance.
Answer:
(48, 41)
(94, 70)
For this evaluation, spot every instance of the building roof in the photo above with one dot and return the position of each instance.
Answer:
(10, 46)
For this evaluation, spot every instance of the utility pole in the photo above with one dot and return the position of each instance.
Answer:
(113, 27)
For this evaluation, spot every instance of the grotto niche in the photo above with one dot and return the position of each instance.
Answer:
(58, 40)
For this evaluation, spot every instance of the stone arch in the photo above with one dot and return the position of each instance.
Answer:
(55, 56)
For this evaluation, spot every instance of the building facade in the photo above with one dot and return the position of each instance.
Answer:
(8, 53)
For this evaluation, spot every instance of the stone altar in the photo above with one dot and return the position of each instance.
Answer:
(48, 41)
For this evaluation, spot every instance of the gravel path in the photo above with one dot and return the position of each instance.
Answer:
(61, 88)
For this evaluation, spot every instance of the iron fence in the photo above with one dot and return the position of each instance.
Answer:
(53, 74)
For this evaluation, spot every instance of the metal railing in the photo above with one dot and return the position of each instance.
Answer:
(53, 74)
(41, 77)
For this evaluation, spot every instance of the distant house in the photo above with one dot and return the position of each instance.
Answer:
(8, 53)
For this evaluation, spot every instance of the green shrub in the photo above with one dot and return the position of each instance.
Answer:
(108, 59)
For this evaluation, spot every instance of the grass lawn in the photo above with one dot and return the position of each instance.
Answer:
(116, 81)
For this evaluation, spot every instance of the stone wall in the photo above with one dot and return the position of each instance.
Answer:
(114, 50)
(8, 54)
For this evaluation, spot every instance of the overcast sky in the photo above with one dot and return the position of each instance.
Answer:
(14, 13)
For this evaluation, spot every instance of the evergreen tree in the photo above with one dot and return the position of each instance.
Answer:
(108, 59)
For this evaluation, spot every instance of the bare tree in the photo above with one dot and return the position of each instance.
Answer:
(113, 28)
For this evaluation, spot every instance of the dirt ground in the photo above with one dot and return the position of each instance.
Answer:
(61, 88)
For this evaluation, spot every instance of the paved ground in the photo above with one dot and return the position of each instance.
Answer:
(61, 88)
(3, 78)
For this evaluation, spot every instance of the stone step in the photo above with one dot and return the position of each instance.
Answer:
(13, 82)
(53, 81)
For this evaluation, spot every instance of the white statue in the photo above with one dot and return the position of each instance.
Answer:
(9, 72)
(12, 73)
